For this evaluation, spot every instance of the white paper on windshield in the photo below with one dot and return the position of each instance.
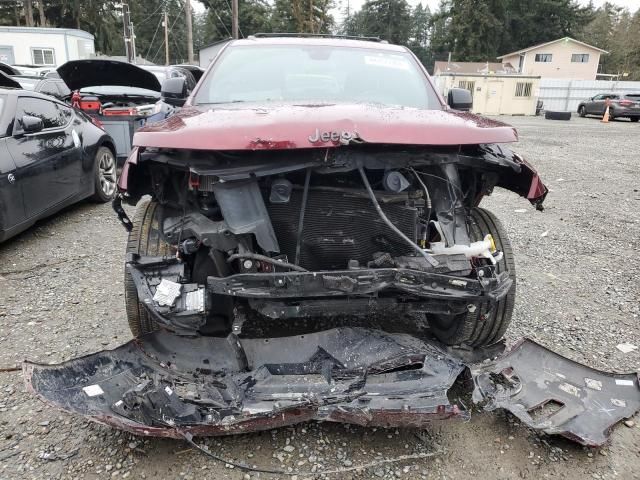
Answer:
(386, 61)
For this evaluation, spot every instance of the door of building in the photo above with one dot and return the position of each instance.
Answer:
(494, 97)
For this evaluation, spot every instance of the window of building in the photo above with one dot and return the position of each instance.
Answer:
(544, 57)
(467, 85)
(43, 56)
(523, 89)
(580, 58)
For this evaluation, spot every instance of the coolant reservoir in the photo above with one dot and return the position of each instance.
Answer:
(485, 248)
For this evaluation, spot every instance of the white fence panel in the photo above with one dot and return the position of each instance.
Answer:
(563, 94)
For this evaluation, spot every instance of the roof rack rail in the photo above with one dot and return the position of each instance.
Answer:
(317, 35)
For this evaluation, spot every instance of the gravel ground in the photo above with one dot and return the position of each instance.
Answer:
(578, 293)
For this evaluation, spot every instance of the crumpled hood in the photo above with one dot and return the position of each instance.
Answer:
(79, 74)
(283, 126)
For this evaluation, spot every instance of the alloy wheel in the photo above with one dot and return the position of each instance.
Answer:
(107, 172)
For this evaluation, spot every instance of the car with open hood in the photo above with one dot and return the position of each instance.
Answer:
(51, 155)
(122, 96)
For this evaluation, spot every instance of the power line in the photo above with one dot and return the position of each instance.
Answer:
(153, 38)
(223, 24)
(231, 13)
(162, 4)
(178, 15)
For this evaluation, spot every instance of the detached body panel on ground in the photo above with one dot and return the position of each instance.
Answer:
(163, 385)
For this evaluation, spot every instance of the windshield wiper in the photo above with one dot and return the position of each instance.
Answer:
(222, 103)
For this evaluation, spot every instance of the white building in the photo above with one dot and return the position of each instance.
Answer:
(45, 47)
(209, 52)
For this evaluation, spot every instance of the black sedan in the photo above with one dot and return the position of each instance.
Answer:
(51, 155)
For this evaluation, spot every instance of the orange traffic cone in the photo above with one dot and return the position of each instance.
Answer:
(605, 118)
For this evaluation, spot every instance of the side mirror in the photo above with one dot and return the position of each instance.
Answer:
(174, 91)
(31, 124)
(460, 99)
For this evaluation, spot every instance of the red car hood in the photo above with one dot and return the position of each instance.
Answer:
(254, 127)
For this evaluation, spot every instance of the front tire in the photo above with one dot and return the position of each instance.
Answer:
(479, 328)
(582, 111)
(104, 176)
(634, 119)
(144, 239)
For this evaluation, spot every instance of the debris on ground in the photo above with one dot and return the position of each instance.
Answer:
(626, 347)
(170, 386)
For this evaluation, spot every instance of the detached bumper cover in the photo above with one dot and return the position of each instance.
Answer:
(213, 386)
(556, 395)
(166, 385)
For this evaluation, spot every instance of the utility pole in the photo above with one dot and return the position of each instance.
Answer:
(127, 36)
(234, 18)
(189, 32)
(133, 43)
(166, 38)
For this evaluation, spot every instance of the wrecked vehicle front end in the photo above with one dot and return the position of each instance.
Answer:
(347, 230)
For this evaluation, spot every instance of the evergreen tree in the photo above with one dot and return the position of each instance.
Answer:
(302, 16)
(388, 19)
(420, 34)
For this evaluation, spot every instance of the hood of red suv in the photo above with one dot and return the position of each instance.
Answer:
(283, 126)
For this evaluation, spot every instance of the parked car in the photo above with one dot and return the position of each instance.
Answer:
(195, 70)
(47, 86)
(121, 96)
(621, 105)
(51, 156)
(35, 70)
(172, 71)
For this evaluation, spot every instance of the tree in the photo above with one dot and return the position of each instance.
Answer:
(302, 16)
(475, 28)
(253, 16)
(441, 43)
(388, 19)
(530, 23)
(420, 34)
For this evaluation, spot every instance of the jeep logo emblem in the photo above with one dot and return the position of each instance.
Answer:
(332, 136)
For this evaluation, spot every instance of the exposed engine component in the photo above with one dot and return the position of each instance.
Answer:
(280, 191)
(485, 248)
(340, 225)
(394, 181)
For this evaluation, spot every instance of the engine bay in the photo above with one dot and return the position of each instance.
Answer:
(303, 234)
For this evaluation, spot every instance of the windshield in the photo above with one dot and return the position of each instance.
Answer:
(294, 73)
(159, 72)
(27, 83)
